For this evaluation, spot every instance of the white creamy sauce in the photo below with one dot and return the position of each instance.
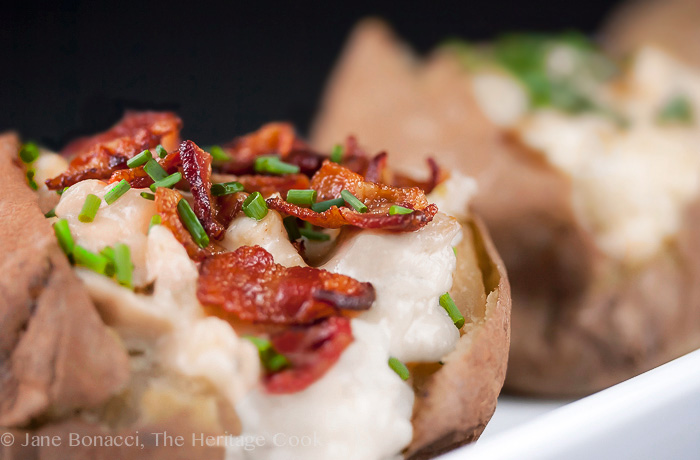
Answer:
(630, 185)
(409, 272)
(359, 410)
(454, 195)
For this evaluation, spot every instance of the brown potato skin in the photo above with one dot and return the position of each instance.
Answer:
(581, 321)
(673, 25)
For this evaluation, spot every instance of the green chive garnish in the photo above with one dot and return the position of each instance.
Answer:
(62, 191)
(30, 180)
(337, 153)
(448, 304)
(108, 253)
(51, 213)
(400, 368)
(88, 259)
(29, 152)
(269, 357)
(140, 159)
(193, 225)
(352, 200)
(64, 237)
(273, 165)
(148, 196)
(313, 235)
(154, 170)
(678, 109)
(160, 150)
(155, 220)
(254, 206)
(393, 210)
(290, 224)
(218, 154)
(454, 249)
(301, 197)
(326, 205)
(167, 182)
(117, 191)
(226, 188)
(123, 268)
(90, 207)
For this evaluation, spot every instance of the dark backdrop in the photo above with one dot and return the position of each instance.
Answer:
(72, 67)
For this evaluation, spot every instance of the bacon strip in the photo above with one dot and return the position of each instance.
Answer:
(196, 168)
(166, 207)
(248, 284)
(267, 185)
(311, 351)
(332, 178)
(100, 156)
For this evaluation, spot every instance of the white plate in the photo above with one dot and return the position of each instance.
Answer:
(653, 416)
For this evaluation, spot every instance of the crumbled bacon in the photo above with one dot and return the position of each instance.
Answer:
(311, 352)
(100, 156)
(376, 169)
(196, 169)
(332, 178)
(166, 207)
(267, 185)
(249, 285)
(436, 176)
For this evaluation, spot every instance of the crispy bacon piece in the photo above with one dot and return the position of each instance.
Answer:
(311, 352)
(272, 138)
(332, 178)
(267, 185)
(100, 156)
(376, 169)
(196, 169)
(248, 284)
(166, 207)
(436, 176)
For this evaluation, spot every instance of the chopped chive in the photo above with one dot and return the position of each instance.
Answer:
(89, 259)
(167, 182)
(454, 249)
(301, 197)
(328, 204)
(123, 268)
(218, 154)
(273, 165)
(290, 224)
(394, 210)
(62, 191)
(353, 201)
(51, 213)
(30, 180)
(90, 207)
(29, 152)
(160, 150)
(140, 159)
(64, 237)
(226, 188)
(678, 109)
(155, 170)
(148, 196)
(193, 225)
(117, 191)
(313, 235)
(271, 359)
(337, 153)
(400, 368)
(448, 304)
(108, 253)
(155, 220)
(255, 206)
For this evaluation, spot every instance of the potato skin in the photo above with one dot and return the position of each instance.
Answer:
(581, 321)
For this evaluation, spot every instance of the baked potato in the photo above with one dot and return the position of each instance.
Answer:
(670, 24)
(243, 331)
(588, 177)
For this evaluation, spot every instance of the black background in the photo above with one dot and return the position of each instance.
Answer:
(72, 67)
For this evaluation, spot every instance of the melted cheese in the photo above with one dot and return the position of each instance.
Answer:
(359, 410)
(409, 272)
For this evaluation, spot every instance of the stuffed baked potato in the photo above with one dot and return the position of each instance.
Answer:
(589, 181)
(150, 320)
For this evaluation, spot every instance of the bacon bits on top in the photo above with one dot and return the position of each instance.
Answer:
(196, 168)
(99, 156)
(249, 285)
(333, 178)
(311, 351)
(166, 206)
